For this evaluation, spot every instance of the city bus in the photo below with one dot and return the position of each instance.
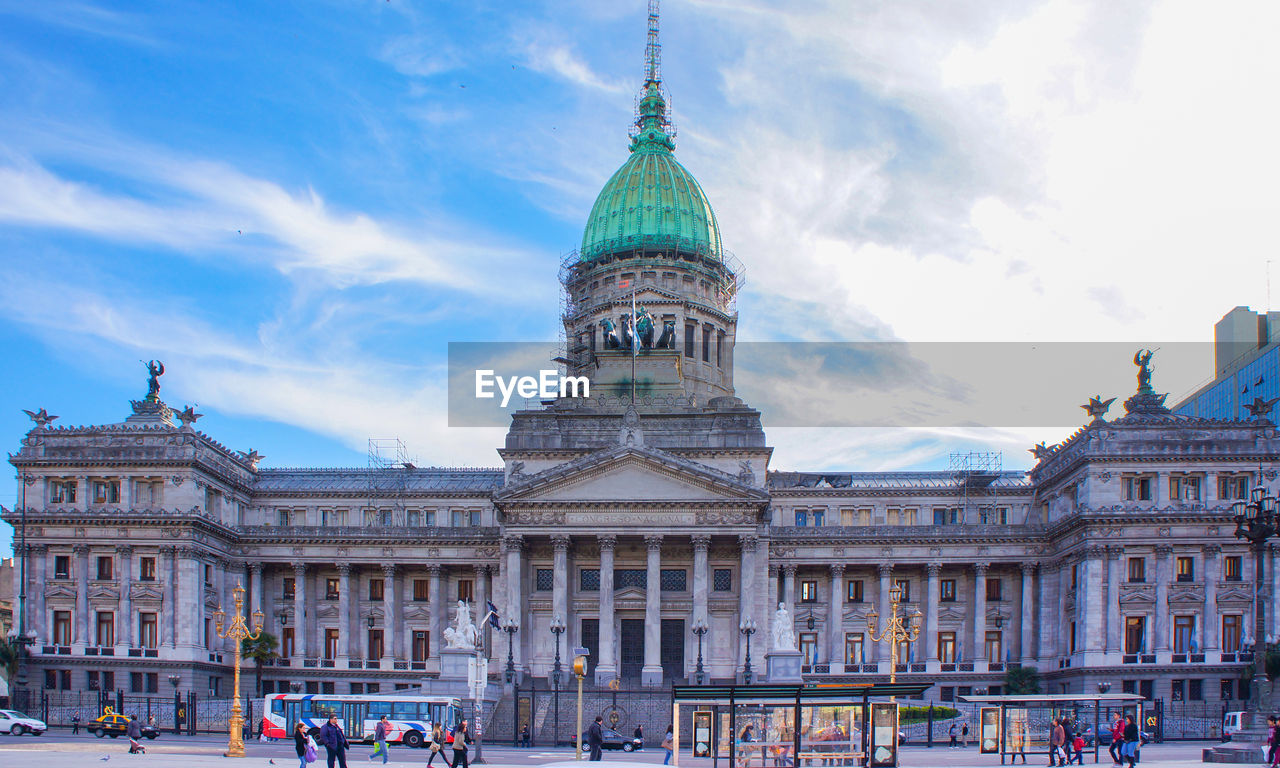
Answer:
(412, 717)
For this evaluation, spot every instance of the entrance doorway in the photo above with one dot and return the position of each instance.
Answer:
(631, 647)
(672, 655)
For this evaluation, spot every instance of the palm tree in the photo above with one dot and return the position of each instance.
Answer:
(259, 652)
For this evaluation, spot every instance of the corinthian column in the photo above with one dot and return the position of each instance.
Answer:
(607, 666)
(651, 672)
(701, 587)
(930, 631)
(124, 624)
(1209, 626)
(560, 579)
(392, 633)
(345, 639)
(82, 636)
(886, 571)
(1113, 628)
(748, 597)
(979, 612)
(1027, 648)
(514, 547)
(300, 620)
(439, 610)
(1163, 554)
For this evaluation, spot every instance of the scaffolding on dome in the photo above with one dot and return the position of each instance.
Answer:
(975, 474)
(388, 480)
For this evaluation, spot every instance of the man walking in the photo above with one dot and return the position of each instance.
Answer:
(595, 738)
(134, 732)
(334, 741)
(75, 724)
(380, 739)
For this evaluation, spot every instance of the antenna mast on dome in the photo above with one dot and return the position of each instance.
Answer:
(653, 49)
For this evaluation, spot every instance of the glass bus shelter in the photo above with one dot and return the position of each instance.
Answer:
(792, 726)
(1017, 725)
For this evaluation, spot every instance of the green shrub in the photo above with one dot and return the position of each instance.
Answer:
(914, 714)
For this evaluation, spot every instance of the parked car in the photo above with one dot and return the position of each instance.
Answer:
(15, 723)
(1232, 723)
(114, 725)
(612, 740)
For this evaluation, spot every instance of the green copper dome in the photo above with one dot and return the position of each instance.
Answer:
(652, 201)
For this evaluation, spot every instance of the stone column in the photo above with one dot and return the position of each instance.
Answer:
(482, 606)
(82, 634)
(979, 615)
(747, 598)
(1275, 584)
(789, 587)
(835, 621)
(607, 665)
(774, 585)
(1164, 553)
(439, 611)
(255, 587)
(1027, 649)
(1209, 624)
(37, 620)
(701, 591)
(883, 608)
(930, 631)
(651, 672)
(560, 578)
(1050, 610)
(300, 620)
(392, 632)
(125, 618)
(169, 563)
(1114, 627)
(514, 547)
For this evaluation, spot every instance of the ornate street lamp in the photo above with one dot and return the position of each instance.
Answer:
(511, 628)
(747, 628)
(557, 629)
(1256, 522)
(239, 632)
(899, 629)
(699, 628)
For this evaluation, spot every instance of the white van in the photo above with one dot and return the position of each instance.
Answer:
(1232, 723)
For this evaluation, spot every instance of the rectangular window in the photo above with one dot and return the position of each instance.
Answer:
(1195, 689)
(995, 589)
(719, 348)
(853, 648)
(51, 679)
(853, 588)
(421, 590)
(286, 641)
(674, 579)
(1137, 570)
(208, 575)
(457, 518)
(809, 647)
(808, 591)
(904, 589)
(62, 491)
(62, 627)
(819, 517)
(1135, 634)
(544, 579)
(377, 589)
(148, 630)
(1177, 689)
(466, 590)
(947, 588)
(421, 645)
(630, 577)
(689, 330)
(64, 679)
(105, 629)
(106, 491)
(1227, 690)
(589, 580)
(1138, 487)
(1186, 569)
(946, 516)
(1232, 568)
(1232, 625)
(287, 588)
(375, 643)
(91, 680)
(1233, 487)
(330, 643)
(993, 646)
(802, 518)
(1184, 628)
(706, 344)
(947, 647)
(62, 566)
(284, 517)
(104, 568)
(1075, 575)
(1184, 488)
(146, 569)
(1071, 641)
(331, 589)
(722, 580)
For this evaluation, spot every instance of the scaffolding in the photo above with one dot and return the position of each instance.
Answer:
(975, 474)
(388, 479)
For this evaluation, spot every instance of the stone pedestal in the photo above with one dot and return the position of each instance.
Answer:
(783, 666)
(453, 663)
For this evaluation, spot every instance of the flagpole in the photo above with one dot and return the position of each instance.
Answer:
(635, 340)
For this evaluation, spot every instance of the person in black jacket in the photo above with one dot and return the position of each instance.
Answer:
(595, 738)
(1131, 737)
(134, 731)
(335, 741)
(300, 743)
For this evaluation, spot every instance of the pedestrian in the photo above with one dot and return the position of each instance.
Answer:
(637, 738)
(1018, 741)
(964, 733)
(524, 736)
(461, 738)
(1273, 755)
(151, 720)
(744, 752)
(437, 744)
(1078, 746)
(952, 733)
(668, 743)
(134, 731)
(334, 741)
(1057, 744)
(75, 724)
(595, 738)
(1117, 739)
(1068, 736)
(301, 741)
(1131, 737)
(380, 739)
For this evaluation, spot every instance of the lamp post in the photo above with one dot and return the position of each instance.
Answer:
(23, 638)
(511, 628)
(1256, 522)
(898, 629)
(239, 632)
(699, 628)
(557, 629)
(747, 628)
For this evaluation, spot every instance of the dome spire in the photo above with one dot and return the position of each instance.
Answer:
(653, 130)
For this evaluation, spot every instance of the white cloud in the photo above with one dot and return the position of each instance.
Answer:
(561, 61)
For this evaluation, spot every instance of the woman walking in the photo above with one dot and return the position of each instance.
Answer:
(437, 744)
(460, 740)
(300, 744)
(668, 742)
(1131, 736)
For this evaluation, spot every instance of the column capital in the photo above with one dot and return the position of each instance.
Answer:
(434, 570)
(773, 570)
(344, 569)
(701, 541)
(789, 569)
(512, 543)
(607, 541)
(748, 542)
(169, 550)
(560, 543)
(837, 570)
(1212, 550)
(482, 570)
(1114, 553)
(255, 568)
(933, 569)
(124, 551)
(388, 570)
(981, 568)
(1029, 568)
(885, 570)
(80, 549)
(1095, 552)
(1164, 550)
(299, 570)
(653, 542)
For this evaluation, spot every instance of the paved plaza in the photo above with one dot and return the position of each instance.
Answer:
(60, 750)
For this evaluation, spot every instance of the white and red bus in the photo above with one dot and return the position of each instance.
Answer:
(412, 717)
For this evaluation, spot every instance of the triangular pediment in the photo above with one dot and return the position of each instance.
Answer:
(630, 473)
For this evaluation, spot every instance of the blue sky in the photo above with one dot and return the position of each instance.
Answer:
(297, 205)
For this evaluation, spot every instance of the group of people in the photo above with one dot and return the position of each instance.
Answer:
(595, 740)
(963, 732)
(1065, 744)
(334, 741)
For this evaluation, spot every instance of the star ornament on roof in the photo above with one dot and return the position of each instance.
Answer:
(1261, 408)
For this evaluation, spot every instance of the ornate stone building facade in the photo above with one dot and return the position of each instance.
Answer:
(634, 517)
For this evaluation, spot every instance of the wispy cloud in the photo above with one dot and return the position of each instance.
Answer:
(560, 60)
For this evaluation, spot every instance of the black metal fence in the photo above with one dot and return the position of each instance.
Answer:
(183, 712)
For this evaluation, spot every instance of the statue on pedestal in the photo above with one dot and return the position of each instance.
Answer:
(463, 633)
(784, 634)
